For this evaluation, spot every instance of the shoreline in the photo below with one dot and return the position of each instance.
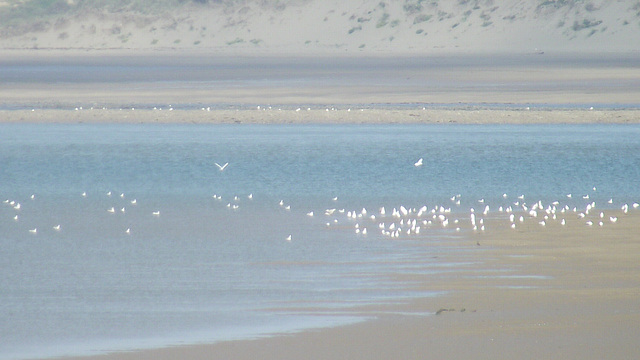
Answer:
(342, 115)
(572, 293)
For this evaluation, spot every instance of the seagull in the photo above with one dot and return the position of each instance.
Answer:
(57, 227)
(418, 163)
(34, 230)
(222, 167)
(288, 238)
(156, 213)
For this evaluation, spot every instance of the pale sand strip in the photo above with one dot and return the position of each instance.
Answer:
(578, 298)
(342, 115)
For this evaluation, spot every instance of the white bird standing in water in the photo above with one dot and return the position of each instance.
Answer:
(418, 163)
(222, 167)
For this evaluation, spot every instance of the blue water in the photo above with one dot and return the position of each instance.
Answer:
(203, 271)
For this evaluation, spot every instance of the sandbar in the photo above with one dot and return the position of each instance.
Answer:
(197, 88)
(415, 115)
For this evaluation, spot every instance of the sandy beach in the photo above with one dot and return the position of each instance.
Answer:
(536, 292)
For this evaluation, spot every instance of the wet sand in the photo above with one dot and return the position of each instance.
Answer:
(573, 292)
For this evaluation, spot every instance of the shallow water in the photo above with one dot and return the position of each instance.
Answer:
(203, 271)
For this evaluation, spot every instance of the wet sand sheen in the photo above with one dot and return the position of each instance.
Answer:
(574, 294)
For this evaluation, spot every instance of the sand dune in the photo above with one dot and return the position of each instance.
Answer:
(318, 26)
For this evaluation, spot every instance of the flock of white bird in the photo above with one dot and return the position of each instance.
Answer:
(208, 109)
(405, 221)
(18, 208)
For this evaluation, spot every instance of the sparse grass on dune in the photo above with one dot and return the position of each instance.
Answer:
(318, 25)
(22, 16)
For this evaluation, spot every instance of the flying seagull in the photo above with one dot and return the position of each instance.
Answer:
(222, 167)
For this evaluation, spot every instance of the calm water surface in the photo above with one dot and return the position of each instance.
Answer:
(206, 269)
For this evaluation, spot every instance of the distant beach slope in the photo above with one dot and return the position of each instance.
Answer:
(321, 26)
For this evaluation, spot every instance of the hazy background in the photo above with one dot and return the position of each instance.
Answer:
(323, 26)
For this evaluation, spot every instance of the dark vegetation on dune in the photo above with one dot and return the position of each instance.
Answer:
(385, 19)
